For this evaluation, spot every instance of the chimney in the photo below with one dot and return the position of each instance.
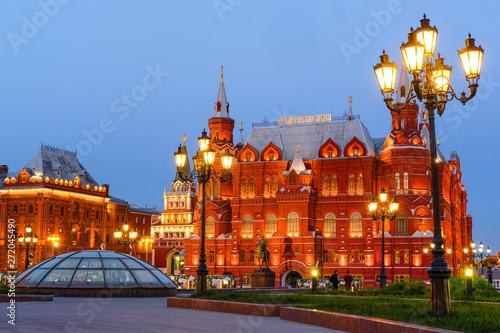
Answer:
(4, 170)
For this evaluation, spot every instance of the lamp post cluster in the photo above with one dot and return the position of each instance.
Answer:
(126, 237)
(146, 241)
(481, 250)
(383, 208)
(431, 84)
(55, 241)
(203, 170)
(27, 242)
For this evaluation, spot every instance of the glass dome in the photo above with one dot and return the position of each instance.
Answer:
(93, 269)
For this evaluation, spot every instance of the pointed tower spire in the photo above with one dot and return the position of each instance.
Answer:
(298, 163)
(350, 116)
(403, 86)
(221, 108)
(240, 139)
(165, 190)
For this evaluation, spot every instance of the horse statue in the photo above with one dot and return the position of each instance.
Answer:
(263, 254)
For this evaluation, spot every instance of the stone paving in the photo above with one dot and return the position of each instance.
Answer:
(82, 315)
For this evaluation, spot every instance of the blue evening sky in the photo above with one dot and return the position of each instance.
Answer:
(68, 69)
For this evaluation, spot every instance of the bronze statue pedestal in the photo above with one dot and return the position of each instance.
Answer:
(263, 278)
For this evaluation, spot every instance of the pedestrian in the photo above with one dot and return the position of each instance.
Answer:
(348, 281)
(335, 280)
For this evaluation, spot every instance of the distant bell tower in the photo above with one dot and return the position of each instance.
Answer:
(221, 125)
(407, 120)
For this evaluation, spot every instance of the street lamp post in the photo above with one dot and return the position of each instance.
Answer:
(28, 242)
(55, 242)
(314, 280)
(146, 241)
(431, 84)
(203, 170)
(127, 237)
(381, 209)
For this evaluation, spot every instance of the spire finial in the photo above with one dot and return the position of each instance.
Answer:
(298, 145)
(221, 74)
(241, 127)
(184, 138)
(350, 100)
(350, 116)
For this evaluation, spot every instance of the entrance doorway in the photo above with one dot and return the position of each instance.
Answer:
(291, 278)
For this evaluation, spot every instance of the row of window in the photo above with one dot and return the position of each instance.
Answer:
(270, 187)
(171, 235)
(176, 203)
(360, 258)
(293, 225)
(16, 210)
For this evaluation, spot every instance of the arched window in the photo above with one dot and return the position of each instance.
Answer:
(330, 225)
(252, 187)
(405, 183)
(293, 224)
(30, 209)
(208, 190)
(247, 226)
(183, 203)
(401, 224)
(176, 203)
(360, 184)
(74, 235)
(335, 189)
(170, 203)
(270, 225)
(267, 187)
(398, 183)
(326, 190)
(244, 188)
(75, 209)
(137, 219)
(216, 189)
(96, 237)
(275, 186)
(402, 123)
(351, 184)
(356, 225)
(210, 227)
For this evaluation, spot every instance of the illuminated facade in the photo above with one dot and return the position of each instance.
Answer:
(56, 196)
(305, 184)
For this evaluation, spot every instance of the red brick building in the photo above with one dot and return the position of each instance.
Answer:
(56, 196)
(305, 184)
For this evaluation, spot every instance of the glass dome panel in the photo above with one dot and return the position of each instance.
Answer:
(112, 263)
(59, 276)
(85, 276)
(35, 276)
(90, 263)
(51, 263)
(144, 276)
(69, 263)
(132, 263)
(163, 279)
(119, 276)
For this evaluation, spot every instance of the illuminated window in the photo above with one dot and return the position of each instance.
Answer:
(242, 256)
(359, 278)
(216, 190)
(96, 237)
(325, 256)
(75, 209)
(252, 187)
(360, 184)
(356, 225)
(249, 157)
(251, 259)
(275, 186)
(208, 193)
(407, 256)
(401, 278)
(271, 157)
(355, 151)
(351, 184)
(297, 249)
(335, 256)
(247, 226)
(270, 225)
(326, 190)
(405, 183)
(330, 153)
(361, 256)
(244, 188)
(398, 183)
(210, 227)
(293, 224)
(401, 224)
(350, 256)
(330, 225)
(267, 187)
(293, 180)
(212, 256)
(396, 257)
(183, 203)
(74, 235)
(335, 189)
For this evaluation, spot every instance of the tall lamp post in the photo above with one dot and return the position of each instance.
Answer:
(127, 237)
(203, 171)
(27, 242)
(146, 241)
(383, 209)
(431, 84)
(55, 242)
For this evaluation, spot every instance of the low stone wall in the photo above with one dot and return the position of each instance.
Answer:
(27, 298)
(352, 323)
(332, 320)
(223, 306)
(263, 290)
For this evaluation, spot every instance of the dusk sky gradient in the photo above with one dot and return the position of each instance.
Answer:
(65, 77)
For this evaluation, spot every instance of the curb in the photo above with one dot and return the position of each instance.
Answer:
(223, 306)
(26, 298)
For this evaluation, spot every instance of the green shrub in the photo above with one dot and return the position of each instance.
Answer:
(407, 288)
(481, 289)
